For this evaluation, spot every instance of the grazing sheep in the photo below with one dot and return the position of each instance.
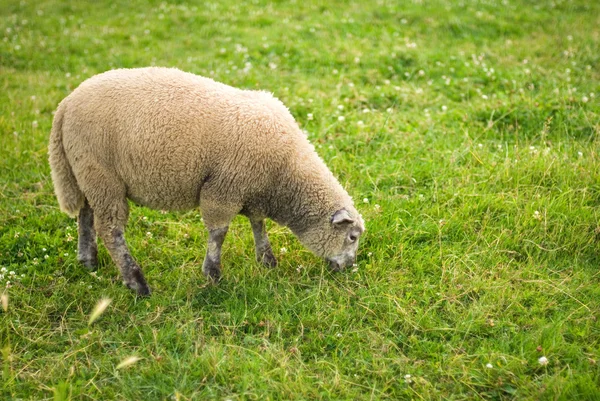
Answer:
(167, 139)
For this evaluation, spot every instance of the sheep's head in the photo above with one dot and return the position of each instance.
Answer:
(336, 238)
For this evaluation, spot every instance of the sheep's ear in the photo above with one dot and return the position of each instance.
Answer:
(341, 217)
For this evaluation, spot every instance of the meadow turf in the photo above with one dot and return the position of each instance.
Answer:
(467, 133)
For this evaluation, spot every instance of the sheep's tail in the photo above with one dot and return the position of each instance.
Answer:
(69, 195)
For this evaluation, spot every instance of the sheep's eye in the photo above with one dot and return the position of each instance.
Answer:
(352, 237)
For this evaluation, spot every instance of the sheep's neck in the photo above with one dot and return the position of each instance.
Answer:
(306, 196)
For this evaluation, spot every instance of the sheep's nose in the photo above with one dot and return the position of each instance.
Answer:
(333, 265)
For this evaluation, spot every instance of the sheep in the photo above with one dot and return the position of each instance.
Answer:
(172, 140)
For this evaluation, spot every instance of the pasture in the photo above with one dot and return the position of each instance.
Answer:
(467, 133)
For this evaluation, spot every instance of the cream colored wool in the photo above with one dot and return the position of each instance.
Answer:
(171, 140)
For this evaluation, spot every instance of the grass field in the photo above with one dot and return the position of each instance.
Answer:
(467, 133)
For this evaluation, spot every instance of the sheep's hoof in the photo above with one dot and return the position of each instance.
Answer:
(141, 289)
(211, 270)
(267, 259)
(90, 263)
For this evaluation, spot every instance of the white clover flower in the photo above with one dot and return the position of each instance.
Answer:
(543, 361)
(341, 118)
(283, 250)
(340, 107)
(366, 200)
(444, 108)
(585, 99)
(309, 116)
(580, 154)
(360, 122)
(149, 234)
(408, 379)
(421, 72)
(66, 254)
(489, 366)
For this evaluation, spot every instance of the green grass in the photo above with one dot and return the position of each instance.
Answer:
(470, 129)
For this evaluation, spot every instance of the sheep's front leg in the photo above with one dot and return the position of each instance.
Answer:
(264, 253)
(212, 261)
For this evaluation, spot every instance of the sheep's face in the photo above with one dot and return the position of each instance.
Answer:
(337, 240)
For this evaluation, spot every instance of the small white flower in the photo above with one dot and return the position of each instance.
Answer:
(444, 108)
(149, 234)
(360, 122)
(283, 250)
(489, 366)
(366, 200)
(408, 379)
(370, 254)
(580, 154)
(339, 335)
(543, 360)
(537, 215)
(421, 72)
(309, 116)
(34, 124)
(585, 99)
(341, 118)
(46, 256)
(66, 254)
(340, 107)
(484, 97)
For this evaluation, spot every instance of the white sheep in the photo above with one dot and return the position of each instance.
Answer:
(171, 140)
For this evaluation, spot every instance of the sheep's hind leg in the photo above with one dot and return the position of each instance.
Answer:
(212, 261)
(87, 248)
(264, 253)
(106, 195)
(133, 278)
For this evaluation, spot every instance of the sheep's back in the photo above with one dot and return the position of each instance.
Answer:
(165, 134)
